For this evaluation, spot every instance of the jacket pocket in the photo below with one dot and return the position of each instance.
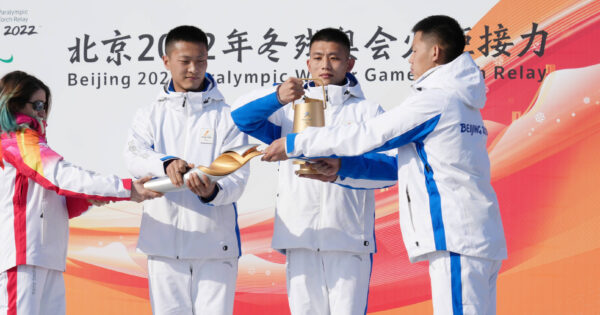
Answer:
(410, 211)
(43, 225)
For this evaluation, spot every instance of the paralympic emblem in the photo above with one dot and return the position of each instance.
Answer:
(9, 60)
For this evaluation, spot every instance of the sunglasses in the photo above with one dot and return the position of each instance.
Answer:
(38, 105)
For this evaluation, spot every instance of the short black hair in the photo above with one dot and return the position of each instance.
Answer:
(186, 33)
(447, 33)
(331, 35)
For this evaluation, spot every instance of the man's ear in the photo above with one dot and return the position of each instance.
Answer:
(351, 62)
(165, 59)
(436, 54)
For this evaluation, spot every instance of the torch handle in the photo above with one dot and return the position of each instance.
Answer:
(322, 86)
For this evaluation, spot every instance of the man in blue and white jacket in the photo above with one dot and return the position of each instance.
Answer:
(191, 237)
(449, 213)
(326, 229)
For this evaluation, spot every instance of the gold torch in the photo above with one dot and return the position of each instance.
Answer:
(311, 113)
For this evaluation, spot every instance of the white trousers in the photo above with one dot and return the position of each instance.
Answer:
(192, 286)
(32, 290)
(463, 284)
(327, 282)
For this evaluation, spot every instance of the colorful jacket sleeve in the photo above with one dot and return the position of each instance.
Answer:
(409, 122)
(258, 116)
(31, 156)
(140, 157)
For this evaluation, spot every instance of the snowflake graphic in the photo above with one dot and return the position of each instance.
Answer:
(540, 117)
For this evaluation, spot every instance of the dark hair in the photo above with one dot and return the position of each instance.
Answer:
(16, 89)
(447, 33)
(186, 33)
(331, 35)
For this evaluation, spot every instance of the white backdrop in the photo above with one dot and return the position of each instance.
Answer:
(89, 122)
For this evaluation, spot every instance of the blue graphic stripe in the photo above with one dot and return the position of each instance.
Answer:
(268, 133)
(171, 87)
(168, 157)
(290, 141)
(435, 204)
(211, 82)
(237, 231)
(374, 166)
(456, 283)
(418, 135)
(252, 118)
(369, 284)
(420, 132)
(351, 79)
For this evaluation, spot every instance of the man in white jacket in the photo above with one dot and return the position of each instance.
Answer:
(326, 229)
(449, 213)
(191, 237)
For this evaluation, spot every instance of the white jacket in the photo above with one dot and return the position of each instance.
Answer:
(195, 127)
(312, 214)
(39, 192)
(446, 199)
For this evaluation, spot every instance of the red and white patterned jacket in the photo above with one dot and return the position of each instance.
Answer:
(39, 192)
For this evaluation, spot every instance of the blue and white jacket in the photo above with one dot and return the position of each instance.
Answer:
(196, 127)
(446, 200)
(312, 214)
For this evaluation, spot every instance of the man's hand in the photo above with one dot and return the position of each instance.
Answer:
(202, 187)
(276, 151)
(326, 166)
(290, 90)
(321, 177)
(175, 171)
(139, 193)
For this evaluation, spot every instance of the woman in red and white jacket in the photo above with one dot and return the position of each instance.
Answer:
(39, 193)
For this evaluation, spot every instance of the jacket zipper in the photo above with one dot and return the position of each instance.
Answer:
(322, 208)
(177, 228)
(328, 120)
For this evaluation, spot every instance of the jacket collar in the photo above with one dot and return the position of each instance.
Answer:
(461, 76)
(34, 124)
(336, 94)
(196, 101)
